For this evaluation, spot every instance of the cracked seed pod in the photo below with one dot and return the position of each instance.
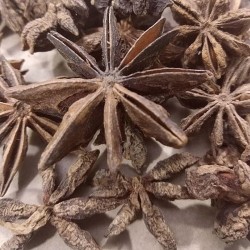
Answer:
(133, 193)
(99, 97)
(16, 117)
(211, 32)
(24, 219)
(226, 105)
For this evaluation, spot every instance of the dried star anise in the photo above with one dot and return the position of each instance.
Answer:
(91, 41)
(227, 104)
(210, 29)
(16, 116)
(24, 219)
(135, 193)
(12, 13)
(60, 14)
(128, 7)
(33, 19)
(231, 190)
(117, 89)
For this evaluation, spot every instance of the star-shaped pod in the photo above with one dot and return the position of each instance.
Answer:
(226, 104)
(99, 96)
(230, 190)
(34, 19)
(24, 219)
(211, 29)
(134, 193)
(15, 117)
(138, 8)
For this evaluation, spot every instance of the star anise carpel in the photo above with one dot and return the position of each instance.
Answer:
(66, 16)
(24, 219)
(136, 193)
(211, 31)
(137, 8)
(117, 88)
(230, 190)
(226, 103)
(16, 117)
(34, 19)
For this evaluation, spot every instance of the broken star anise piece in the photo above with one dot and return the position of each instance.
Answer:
(117, 89)
(229, 187)
(129, 7)
(23, 219)
(227, 104)
(135, 193)
(210, 29)
(15, 117)
(66, 15)
(34, 19)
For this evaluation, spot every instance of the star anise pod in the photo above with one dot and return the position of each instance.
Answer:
(136, 192)
(227, 104)
(24, 219)
(211, 29)
(34, 19)
(224, 184)
(91, 41)
(65, 15)
(129, 7)
(233, 222)
(117, 89)
(12, 13)
(16, 116)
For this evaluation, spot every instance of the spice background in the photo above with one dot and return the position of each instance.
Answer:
(190, 221)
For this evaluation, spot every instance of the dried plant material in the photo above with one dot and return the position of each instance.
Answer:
(12, 13)
(133, 193)
(16, 116)
(115, 90)
(226, 155)
(11, 210)
(77, 208)
(230, 188)
(59, 13)
(128, 7)
(73, 236)
(232, 222)
(16, 242)
(226, 104)
(33, 19)
(16, 64)
(210, 30)
(91, 41)
(34, 217)
(219, 182)
(134, 147)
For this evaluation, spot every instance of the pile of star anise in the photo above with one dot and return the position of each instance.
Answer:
(128, 58)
